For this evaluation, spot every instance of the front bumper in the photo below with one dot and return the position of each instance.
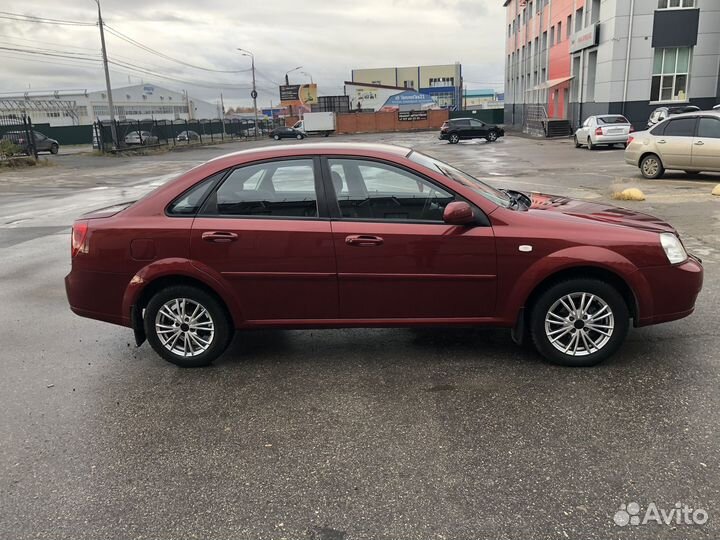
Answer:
(671, 291)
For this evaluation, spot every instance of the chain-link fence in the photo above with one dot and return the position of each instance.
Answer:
(16, 137)
(131, 134)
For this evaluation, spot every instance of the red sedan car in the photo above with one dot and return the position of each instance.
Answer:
(342, 235)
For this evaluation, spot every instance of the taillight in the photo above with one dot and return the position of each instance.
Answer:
(630, 139)
(79, 234)
(598, 131)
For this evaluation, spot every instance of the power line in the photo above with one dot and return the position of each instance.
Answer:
(130, 40)
(139, 69)
(42, 20)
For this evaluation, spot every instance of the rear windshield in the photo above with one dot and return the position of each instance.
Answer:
(612, 120)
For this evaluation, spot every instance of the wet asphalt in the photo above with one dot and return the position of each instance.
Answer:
(346, 434)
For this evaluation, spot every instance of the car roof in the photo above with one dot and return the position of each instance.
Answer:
(713, 114)
(360, 149)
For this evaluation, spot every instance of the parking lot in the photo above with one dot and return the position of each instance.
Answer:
(347, 434)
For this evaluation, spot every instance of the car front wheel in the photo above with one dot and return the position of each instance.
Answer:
(299, 137)
(54, 149)
(651, 167)
(579, 322)
(577, 143)
(492, 136)
(187, 326)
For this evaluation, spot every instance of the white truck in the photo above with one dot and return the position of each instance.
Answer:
(316, 123)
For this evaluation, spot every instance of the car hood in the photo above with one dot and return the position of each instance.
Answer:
(598, 211)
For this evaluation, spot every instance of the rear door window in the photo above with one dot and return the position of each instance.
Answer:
(709, 128)
(274, 189)
(680, 127)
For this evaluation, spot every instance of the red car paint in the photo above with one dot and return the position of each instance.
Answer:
(306, 273)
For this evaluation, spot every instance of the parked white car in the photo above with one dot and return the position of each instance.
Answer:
(606, 129)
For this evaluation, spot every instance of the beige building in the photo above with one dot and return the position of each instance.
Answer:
(442, 82)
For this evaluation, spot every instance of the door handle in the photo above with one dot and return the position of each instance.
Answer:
(661, 141)
(219, 236)
(363, 240)
(699, 143)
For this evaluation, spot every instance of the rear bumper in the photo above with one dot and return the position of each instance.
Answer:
(611, 139)
(97, 295)
(672, 291)
(443, 136)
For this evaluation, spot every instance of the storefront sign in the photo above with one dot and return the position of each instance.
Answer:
(587, 37)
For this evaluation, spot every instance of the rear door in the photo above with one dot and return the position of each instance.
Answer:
(675, 143)
(264, 232)
(462, 127)
(396, 258)
(706, 145)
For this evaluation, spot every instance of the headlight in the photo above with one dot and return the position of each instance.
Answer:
(673, 248)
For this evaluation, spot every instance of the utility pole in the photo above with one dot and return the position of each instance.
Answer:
(222, 112)
(113, 129)
(254, 93)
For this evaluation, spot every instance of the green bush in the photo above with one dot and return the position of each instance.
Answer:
(8, 149)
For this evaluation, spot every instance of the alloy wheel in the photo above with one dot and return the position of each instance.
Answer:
(184, 327)
(579, 324)
(650, 166)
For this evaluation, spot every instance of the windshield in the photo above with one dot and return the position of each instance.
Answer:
(481, 188)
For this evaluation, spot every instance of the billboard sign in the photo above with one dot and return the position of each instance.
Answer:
(409, 116)
(587, 37)
(298, 95)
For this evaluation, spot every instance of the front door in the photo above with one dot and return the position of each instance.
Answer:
(396, 258)
(262, 232)
(676, 142)
(706, 145)
(479, 129)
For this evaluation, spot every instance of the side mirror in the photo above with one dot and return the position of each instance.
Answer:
(458, 213)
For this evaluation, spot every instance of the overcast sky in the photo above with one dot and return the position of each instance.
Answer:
(327, 37)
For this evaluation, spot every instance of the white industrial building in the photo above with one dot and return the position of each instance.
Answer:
(77, 108)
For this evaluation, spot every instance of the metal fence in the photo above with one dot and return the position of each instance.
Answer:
(16, 132)
(132, 134)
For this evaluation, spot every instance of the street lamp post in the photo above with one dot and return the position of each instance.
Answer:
(113, 129)
(308, 76)
(253, 94)
(287, 80)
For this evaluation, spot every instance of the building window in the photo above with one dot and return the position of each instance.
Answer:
(436, 82)
(544, 41)
(509, 30)
(552, 36)
(670, 74)
(595, 13)
(579, 20)
(559, 31)
(671, 4)
(530, 10)
(568, 26)
(409, 84)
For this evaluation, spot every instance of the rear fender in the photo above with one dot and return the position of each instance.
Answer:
(181, 268)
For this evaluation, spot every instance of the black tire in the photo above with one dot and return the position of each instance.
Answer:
(651, 167)
(602, 290)
(590, 144)
(492, 136)
(454, 138)
(577, 143)
(223, 330)
(299, 137)
(276, 137)
(54, 149)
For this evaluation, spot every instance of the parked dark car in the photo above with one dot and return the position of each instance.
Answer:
(286, 133)
(188, 136)
(141, 138)
(458, 129)
(42, 142)
(661, 113)
(352, 235)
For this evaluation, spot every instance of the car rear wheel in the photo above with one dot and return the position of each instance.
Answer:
(276, 137)
(492, 136)
(54, 148)
(590, 144)
(454, 138)
(651, 167)
(187, 326)
(579, 322)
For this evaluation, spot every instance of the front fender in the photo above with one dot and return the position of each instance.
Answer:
(183, 268)
(519, 292)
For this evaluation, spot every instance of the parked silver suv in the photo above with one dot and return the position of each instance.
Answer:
(689, 142)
